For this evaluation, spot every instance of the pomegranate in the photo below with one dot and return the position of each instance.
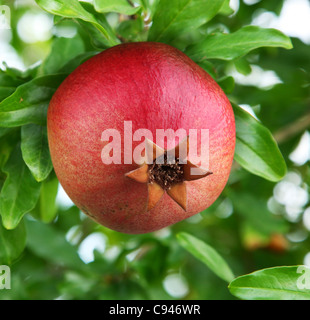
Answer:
(123, 97)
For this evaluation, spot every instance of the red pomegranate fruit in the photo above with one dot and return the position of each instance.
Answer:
(110, 112)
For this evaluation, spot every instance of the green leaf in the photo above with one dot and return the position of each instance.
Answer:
(20, 191)
(256, 150)
(12, 243)
(63, 50)
(234, 45)
(50, 244)
(74, 9)
(29, 103)
(46, 209)
(131, 30)
(6, 91)
(9, 137)
(120, 6)
(243, 66)
(206, 254)
(279, 283)
(8, 85)
(94, 34)
(35, 150)
(181, 16)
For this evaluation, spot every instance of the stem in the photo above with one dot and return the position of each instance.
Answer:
(293, 129)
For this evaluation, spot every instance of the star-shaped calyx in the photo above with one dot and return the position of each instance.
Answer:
(167, 171)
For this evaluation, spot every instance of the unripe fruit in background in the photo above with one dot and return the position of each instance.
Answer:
(144, 86)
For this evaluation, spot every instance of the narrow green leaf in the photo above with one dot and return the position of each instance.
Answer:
(9, 137)
(12, 243)
(63, 50)
(234, 45)
(29, 103)
(131, 30)
(243, 66)
(256, 150)
(74, 9)
(8, 85)
(120, 6)
(35, 150)
(65, 8)
(95, 35)
(20, 191)
(46, 208)
(206, 254)
(279, 283)
(181, 16)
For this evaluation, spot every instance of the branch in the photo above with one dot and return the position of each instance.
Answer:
(293, 129)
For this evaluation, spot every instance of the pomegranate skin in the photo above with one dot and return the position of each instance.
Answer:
(155, 86)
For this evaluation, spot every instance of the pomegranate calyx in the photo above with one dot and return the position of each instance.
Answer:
(167, 171)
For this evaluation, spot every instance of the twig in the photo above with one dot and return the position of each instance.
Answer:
(293, 129)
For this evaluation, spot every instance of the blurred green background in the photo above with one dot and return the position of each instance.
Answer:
(254, 224)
